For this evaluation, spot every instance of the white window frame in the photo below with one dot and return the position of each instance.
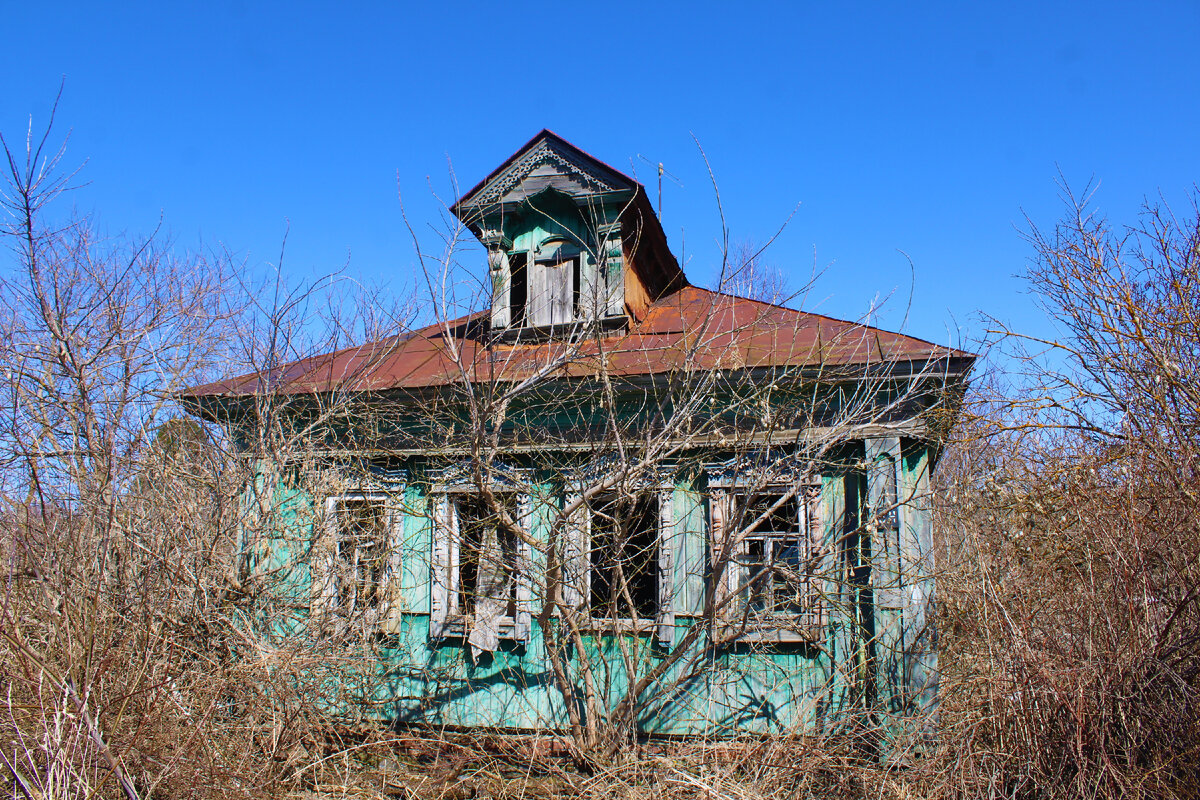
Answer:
(577, 577)
(331, 575)
(447, 621)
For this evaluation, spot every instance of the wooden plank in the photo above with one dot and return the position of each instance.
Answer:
(441, 595)
(574, 580)
(723, 557)
(667, 542)
(591, 288)
(524, 576)
(917, 564)
(500, 275)
(559, 278)
(393, 602)
(883, 480)
(537, 301)
(417, 544)
(692, 543)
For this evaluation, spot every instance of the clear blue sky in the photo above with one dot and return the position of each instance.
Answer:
(925, 128)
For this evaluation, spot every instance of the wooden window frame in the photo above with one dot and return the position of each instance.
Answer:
(330, 577)
(734, 620)
(577, 577)
(536, 290)
(447, 621)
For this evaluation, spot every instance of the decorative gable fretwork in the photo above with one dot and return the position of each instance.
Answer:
(762, 467)
(548, 163)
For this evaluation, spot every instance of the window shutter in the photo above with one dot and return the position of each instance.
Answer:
(819, 556)
(723, 557)
(524, 576)
(591, 293)
(391, 605)
(445, 547)
(500, 273)
(666, 564)
(574, 558)
(559, 290)
(613, 267)
(324, 567)
(882, 498)
(538, 302)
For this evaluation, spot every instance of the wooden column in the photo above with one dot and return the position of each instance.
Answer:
(883, 526)
(917, 570)
(498, 274)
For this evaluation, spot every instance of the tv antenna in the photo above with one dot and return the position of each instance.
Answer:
(658, 165)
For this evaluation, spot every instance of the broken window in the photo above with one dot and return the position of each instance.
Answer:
(544, 285)
(623, 557)
(487, 555)
(360, 559)
(480, 568)
(767, 556)
(771, 556)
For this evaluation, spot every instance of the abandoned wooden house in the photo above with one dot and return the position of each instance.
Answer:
(605, 500)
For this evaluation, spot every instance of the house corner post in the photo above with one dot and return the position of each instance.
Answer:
(882, 520)
(921, 679)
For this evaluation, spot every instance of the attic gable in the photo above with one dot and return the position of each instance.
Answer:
(570, 242)
(546, 161)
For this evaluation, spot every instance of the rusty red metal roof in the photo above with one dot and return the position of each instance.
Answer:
(689, 329)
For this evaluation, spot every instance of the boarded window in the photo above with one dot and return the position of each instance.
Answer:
(551, 284)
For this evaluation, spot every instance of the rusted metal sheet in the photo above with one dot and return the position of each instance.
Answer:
(690, 329)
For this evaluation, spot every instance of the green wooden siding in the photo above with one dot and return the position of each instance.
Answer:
(755, 688)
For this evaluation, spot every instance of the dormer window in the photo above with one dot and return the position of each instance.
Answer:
(545, 292)
(570, 241)
(555, 283)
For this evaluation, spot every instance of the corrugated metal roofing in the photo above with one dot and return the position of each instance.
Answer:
(691, 328)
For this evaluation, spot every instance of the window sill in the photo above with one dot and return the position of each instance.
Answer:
(761, 632)
(459, 627)
(644, 626)
(525, 333)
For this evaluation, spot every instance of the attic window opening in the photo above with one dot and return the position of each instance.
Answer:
(544, 285)
(518, 288)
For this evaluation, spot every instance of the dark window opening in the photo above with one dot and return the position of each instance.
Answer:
(487, 555)
(624, 556)
(518, 288)
(579, 312)
(362, 551)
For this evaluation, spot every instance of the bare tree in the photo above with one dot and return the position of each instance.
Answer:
(1071, 504)
(128, 604)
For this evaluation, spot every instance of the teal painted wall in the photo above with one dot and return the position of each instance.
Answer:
(759, 688)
